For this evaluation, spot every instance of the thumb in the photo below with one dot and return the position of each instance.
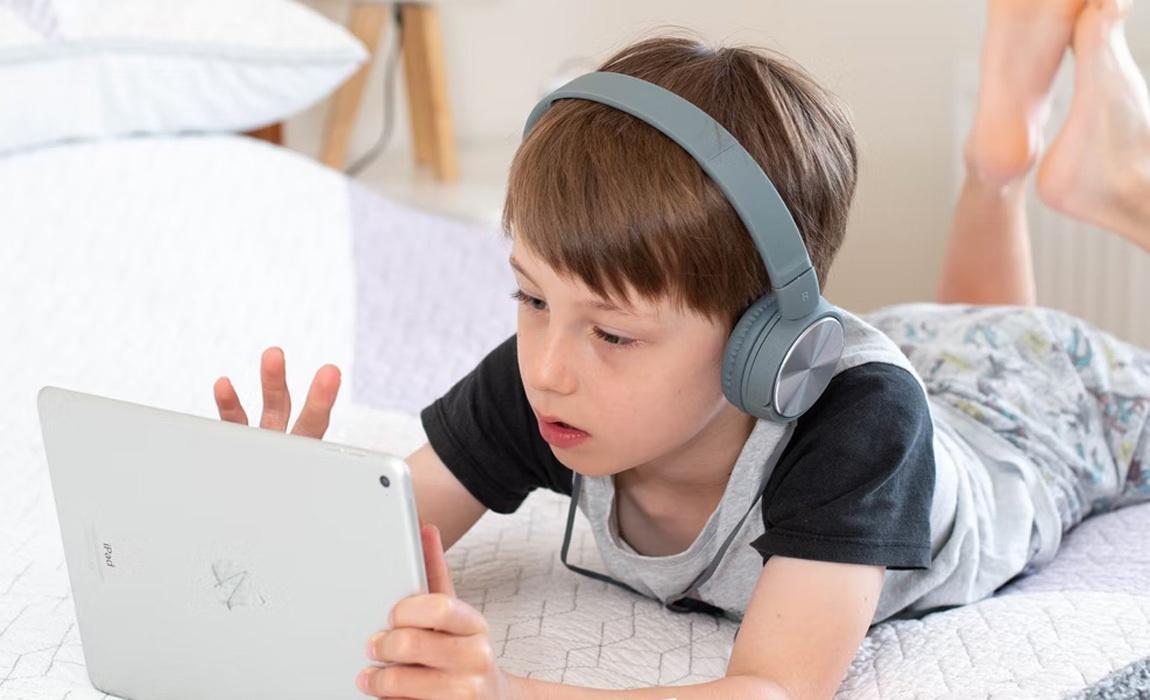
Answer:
(434, 561)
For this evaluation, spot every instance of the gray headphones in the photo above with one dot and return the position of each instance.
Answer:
(783, 351)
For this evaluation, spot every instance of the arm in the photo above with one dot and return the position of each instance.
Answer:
(727, 688)
(802, 628)
(440, 499)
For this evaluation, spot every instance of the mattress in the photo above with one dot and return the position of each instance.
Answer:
(145, 268)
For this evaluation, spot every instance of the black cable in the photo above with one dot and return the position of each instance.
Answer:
(396, 44)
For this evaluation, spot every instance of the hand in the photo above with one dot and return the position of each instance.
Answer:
(437, 645)
(313, 420)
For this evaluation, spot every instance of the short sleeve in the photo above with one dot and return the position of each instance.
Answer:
(484, 431)
(856, 480)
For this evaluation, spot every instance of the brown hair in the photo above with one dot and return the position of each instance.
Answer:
(602, 195)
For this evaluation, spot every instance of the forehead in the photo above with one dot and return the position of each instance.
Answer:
(529, 266)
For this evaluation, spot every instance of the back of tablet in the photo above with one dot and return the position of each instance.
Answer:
(209, 559)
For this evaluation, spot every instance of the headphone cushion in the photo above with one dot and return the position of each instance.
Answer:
(752, 324)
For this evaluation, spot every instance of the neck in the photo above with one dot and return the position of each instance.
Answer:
(700, 467)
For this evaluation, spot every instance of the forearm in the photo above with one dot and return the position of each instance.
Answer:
(726, 688)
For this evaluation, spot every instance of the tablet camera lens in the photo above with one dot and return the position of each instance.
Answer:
(385, 481)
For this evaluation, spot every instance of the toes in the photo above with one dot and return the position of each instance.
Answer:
(1091, 30)
(1117, 8)
(1111, 9)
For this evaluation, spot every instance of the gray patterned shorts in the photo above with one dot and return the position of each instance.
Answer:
(1070, 397)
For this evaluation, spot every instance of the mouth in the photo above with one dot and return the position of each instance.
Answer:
(556, 421)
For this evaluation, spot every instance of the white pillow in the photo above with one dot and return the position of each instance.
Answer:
(79, 69)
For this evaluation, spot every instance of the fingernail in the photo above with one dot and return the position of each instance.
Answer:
(363, 680)
(371, 645)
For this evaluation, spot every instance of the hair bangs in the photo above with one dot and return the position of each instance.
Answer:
(605, 198)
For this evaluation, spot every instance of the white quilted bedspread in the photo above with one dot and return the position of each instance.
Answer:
(144, 269)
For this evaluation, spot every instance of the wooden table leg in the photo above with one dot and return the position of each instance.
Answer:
(427, 91)
(367, 22)
(272, 133)
(415, 77)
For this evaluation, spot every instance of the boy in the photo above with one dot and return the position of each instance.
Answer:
(632, 267)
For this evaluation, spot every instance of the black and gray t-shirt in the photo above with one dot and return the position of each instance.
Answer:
(861, 477)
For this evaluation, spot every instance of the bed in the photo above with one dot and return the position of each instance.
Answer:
(145, 268)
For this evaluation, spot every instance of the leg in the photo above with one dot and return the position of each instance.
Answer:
(1023, 46)
(1109, 433)
(988, 259)
(988, 255)
(1098, 168)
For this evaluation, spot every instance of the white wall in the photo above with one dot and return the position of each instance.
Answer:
(896, 63)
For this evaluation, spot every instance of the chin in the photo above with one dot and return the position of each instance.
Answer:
(588, 467)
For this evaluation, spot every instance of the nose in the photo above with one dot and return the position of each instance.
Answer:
(549, 363)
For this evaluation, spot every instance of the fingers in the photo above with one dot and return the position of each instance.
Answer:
(435, 562)
(277, 403)
(316, 415)
(228, 403)
(439, 612)
(411, 645)
(413, 682)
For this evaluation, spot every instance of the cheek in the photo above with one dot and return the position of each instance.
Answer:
(667, 401)
(638, 421)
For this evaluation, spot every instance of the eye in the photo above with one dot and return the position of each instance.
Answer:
(610, 339)
(613, 339)
(527, 301)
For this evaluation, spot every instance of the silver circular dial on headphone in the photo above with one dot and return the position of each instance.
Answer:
(808, 366)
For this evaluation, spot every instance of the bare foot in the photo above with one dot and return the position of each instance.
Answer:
(1098, 168)
(1024, 44)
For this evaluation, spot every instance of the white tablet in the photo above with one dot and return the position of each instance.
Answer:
(209, 559)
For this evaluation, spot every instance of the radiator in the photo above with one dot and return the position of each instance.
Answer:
(1094, 274)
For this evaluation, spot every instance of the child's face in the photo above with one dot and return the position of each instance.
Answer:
(639, 401)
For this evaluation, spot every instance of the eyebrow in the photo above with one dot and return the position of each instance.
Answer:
(601, 304)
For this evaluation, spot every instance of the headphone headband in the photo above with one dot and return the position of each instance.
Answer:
(728, 164)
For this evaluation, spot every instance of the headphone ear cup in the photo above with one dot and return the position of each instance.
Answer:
(754, 324)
